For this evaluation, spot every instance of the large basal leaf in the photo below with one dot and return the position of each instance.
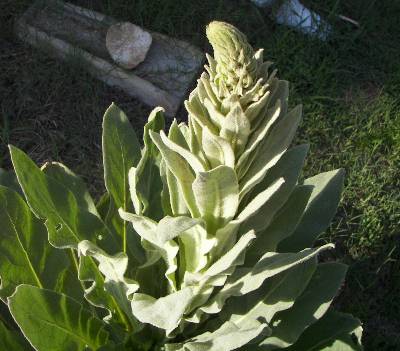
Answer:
(25, 254)
(66, 222)
(288, 325)
(9, 180)
(74, 183)
(332, 332)
(53, 321)
(12, 340)
(319, 212)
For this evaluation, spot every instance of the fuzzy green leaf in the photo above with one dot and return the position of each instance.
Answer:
(282, 226)
(66, 222)
(165, 312)
(25, 254)
(217, 196)
(228, 337)
(276, 294)
(246, 280)
(53, 321)
(12, 340)
(287, 326)
(319, 212)
(121, 151)
(145, 182)
(180, 169)
(113, 268)
(75, 184)
(236, 128)
(289, 168)
(270, 151)
(331, 333)
(217, 150)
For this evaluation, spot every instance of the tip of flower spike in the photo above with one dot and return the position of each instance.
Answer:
(235, 65)
(227, 40)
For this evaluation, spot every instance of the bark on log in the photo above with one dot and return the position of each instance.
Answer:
(63, 29)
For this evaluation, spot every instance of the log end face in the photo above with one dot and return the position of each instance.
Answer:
(127, 44)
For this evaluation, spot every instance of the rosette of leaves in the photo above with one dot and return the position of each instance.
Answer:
(204, 239)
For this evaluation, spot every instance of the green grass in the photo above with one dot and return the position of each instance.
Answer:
(350, 89)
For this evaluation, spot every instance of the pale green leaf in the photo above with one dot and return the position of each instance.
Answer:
(198, 112)
(258, 202)
(233, 257)
(246, 280)
(328, 334)
(217, 196)
(53, 321)
(217, 150)
(236, 128)
(276, 294)
(190, 158)
(214, 114)
(255, 109)
(216, 275)
(159, 233)
(282, 225)
(269, 151)
(179, 134)
(170, 227)
(288, 325)
(165, 312)
(180, 169)
(113, 268)
(196, 243)
(288, 168)
(259, 135)
(176, 199)
(145, 184)
(319, 212)
(228, 337)
(160, 236)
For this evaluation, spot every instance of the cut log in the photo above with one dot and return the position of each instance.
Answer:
(64, 30)
(127, 44)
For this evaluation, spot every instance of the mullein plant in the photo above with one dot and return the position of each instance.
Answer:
(204, 239)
